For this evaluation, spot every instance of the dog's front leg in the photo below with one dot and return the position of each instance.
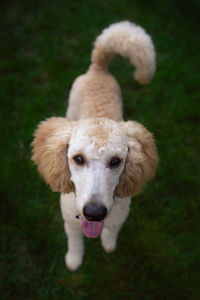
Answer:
(109, 238)
(114, 223)
(75, 251)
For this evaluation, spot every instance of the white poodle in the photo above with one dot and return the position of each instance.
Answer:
(95, 159)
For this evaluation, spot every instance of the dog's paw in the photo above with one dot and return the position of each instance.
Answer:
(108, 245)
(73, 262)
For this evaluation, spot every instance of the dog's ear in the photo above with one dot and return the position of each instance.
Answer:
(141, 161)
(50, 146)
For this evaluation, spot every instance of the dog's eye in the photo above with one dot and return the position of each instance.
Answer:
(115, 162)
(79, 160)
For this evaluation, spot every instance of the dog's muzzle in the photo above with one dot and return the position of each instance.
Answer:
(92, 223)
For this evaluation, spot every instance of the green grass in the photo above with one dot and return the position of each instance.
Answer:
(44, 46)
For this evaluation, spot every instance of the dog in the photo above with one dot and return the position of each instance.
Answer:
(92, 157)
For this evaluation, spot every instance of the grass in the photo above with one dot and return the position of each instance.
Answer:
(44, 46)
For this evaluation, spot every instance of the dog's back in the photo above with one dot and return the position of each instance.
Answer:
(97, 93)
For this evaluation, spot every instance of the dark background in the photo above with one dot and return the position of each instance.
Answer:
(44, 46)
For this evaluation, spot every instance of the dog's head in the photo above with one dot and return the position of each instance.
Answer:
(96, 158)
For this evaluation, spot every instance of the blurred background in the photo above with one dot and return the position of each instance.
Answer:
(45, 45)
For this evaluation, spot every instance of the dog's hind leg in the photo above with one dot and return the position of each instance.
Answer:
(75, 251)
(74, 102)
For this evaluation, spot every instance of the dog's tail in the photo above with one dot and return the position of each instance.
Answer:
(130, 41)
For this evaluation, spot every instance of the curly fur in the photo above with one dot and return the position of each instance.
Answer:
(50, 153)
(94, 128)
(141, 160)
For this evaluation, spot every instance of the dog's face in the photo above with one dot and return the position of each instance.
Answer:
(96, 158)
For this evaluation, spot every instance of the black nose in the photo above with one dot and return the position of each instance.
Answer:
(94, 212)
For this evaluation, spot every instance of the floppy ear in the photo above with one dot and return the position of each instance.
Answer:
(141, 162)
(50, 145)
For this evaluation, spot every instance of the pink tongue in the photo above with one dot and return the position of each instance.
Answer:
(91, 229)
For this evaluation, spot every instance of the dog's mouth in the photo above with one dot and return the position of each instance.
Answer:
(91, 229)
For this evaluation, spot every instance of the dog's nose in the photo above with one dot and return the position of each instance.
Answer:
(94, 212)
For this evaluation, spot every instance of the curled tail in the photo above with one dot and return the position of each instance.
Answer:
(130, 41)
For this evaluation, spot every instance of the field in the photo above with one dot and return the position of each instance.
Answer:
(44, 46)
